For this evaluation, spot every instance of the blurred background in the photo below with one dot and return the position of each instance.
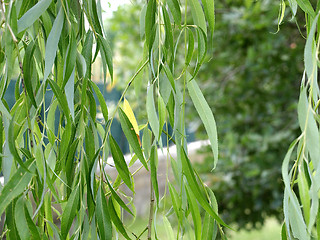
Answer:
(251, 80)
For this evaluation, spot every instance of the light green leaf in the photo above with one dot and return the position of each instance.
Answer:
(132, 137)
(174, 8)
(208, 6)
(206, 116)
(52, 43)
(33, 14)
(162, 113)
(102, 215)
(168, 228)
(69, 90)
(31, 225)
(198, 15)
(70, 59)
(306, 6)
(20, 219)
(151, 112)
(70, 211)
(168, 28)
(16, 185)
(120, 163)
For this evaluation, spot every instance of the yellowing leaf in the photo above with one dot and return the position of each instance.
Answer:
(128, 111)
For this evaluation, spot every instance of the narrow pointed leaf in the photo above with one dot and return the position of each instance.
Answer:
(33, 14)
(106, 55)
(16, 185)
(208, 6)
(206, 116)
(128, 111)
(103, 105)
(52, 43)
(174, 7)
(70, 211)
(198, 15)
(151, 112)
(102, 216)
(132, 137)
(120, 162)
(153, 168)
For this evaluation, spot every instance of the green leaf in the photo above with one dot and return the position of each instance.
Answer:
(116, 220)
(52, 43)
(190, 47)
(117, 198)
(208, 6)
(306, 6)
(120, 162)
(131, 136)
(198, 15)
(150, 22)
(69, 90)
(176, 202)
(284, 235)
(16, 185)
(102, 102)
(206, 116)
(151, 112)
(61, 98)
(194, 212)
(162, 113)
(33, 14)
(71, 58)
(167, 25)
(70, 211)
(12, 145)
(195, 188)
(27, 66)
(102, 215)
(168, 228)
(31, 225)
(106, 55)
(174, 8)
(153, 168)
(20, 219)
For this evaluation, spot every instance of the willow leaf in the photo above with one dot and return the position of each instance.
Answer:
(102, 215)
(306, 6)
(33, 14)
(52, 43)
(174, 7)
(150, 22)
(151, 112)
(20, 219)
(153, 167)
(117, 198)
(195, 188)
(198, 15)
(208, 6)
(206, 116)
(103, 105)
(16, 185)
(120, 162)
(116, 220)
(106, 55)
(70, 211)
(132, 137)
(194, 212)
(128, 111)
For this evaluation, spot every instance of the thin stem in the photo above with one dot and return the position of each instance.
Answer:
(151, 212)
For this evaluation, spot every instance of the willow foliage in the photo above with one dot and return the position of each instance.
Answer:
(49, 171)
(302, 176)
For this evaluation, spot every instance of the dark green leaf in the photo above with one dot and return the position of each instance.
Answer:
(106, 55)
(153, 168)
(102, 102)
(208, 6)
(102, 216)
(70, 211)
(120, 163)
(190, 47)
(131, 136)
(198, 15)
(116, 220)
(150, 23)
